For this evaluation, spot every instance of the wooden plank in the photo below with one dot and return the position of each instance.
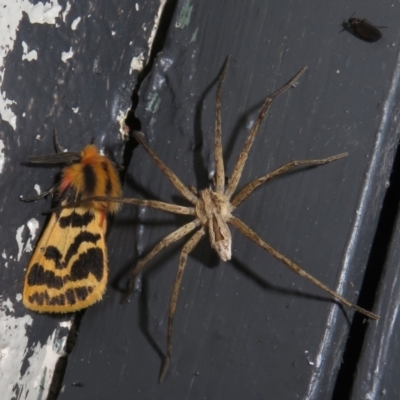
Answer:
(378, 366)
(249, 327)
(68, 66)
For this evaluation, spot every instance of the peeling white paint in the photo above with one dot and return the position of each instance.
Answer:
(33, 226)
(155, 27)
(18, 297)
(137, 63)
(14, 340)
(75, 23)
(66, 55)
(2, 156)
(32, 55)
(37, 189)
(42, 13)
(10, 17)
(35, 382)
(66, 11)
(75, 109)
(4, 254)
(18, 238)
(66, 324)
(123, 129)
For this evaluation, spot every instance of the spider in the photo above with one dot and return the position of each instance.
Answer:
(213, 209)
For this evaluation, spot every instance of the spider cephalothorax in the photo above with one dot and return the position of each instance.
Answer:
(213, 210)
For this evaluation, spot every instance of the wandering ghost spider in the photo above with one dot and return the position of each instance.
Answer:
(213, 207)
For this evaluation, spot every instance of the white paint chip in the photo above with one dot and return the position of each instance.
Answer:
(137, 63)
(32, 55)
(66, 11)
(37, 189)
(75, 109)
(123, 129)
(75, 23)
(43, 13)
(66, 55)
(137, 6)
(33, 226)
(155, 26)
(39, 359)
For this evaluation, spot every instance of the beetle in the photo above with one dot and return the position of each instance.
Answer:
(363, 29)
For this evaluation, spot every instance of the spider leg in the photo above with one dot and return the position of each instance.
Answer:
(246, 231)
(169, 239)
(187, 248)
(160, 205)
(250, 187)
(188, 194)
(219, 159)
(240, 163)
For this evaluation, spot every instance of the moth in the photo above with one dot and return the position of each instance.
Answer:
(68, 269)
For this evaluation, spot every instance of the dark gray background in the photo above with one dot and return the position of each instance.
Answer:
(248, 328)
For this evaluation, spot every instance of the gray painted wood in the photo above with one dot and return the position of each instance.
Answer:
(81, 98)
(378, 368)
(248, 328)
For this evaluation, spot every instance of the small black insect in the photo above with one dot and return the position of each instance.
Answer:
(363, 29)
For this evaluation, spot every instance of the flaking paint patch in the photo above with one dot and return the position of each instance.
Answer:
(157, 19)
(34, 381)
(154, 103)
(123, 128)
(33, 226)
(31, 55)
(66, 11)
(10, 18)
(37, 189)
(75, 23)
(137, 63)
(185, 15)
(66, 55)
(14, 340)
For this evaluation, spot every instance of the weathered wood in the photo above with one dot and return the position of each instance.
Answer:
(81, 94)
(248, 328)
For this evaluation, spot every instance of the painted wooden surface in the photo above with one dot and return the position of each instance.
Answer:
(248, 328)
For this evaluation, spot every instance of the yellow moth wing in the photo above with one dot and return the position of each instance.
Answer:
(68, 270)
